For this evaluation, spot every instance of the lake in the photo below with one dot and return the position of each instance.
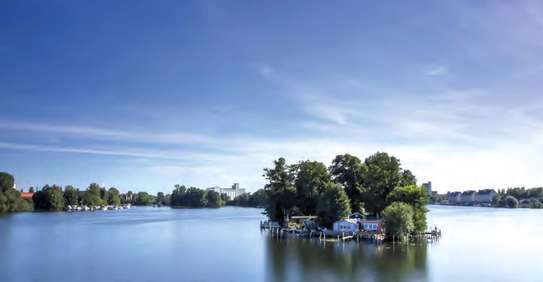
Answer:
(163, 244)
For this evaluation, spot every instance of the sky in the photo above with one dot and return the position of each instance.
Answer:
(142, 95)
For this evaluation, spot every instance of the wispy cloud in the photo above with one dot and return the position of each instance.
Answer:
(76, 131)
(437, 71)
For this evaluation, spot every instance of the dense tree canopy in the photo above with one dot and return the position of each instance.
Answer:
(308, 187)
(348, 171)
(71, 195)
(333, 204)
(113, 196)
(311, 180)
(49, 198)
(398, 220)
(280, 189)
(10, 199)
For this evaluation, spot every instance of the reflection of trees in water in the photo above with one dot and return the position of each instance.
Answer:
(312, 260)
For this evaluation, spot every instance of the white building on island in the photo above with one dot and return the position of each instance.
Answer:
(230, 192)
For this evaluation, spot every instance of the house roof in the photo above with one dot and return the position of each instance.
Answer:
(348, 220)
(27, 195)
(470, 192)
(371, 221)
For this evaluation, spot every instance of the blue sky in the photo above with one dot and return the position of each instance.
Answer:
(142, 95)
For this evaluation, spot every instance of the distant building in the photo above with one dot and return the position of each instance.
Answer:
(428, 187)
(468, 197)
(230, 192)
(453, 198)
(485, 196)
(346, 225)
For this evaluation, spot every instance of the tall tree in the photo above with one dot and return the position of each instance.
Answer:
(113, 196)
(417, 198)
(280, 190)
(214, 199)
(398, 220)
(333, 204)
(381, 175)
(348, 171)
(311, 179)
(50, 198)
(6, 181)
(71, 196)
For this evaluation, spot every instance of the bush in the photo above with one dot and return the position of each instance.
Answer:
(511, 202)
(398, 220)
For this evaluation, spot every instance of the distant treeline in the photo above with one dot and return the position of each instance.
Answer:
(196, 198)
(519, 197)
(57, 198)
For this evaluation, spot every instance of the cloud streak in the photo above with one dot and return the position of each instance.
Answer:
(107, 134)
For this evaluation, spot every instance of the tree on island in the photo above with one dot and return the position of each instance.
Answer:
(417, 198)
(280, 190)
(305, 188)
(348, 171)
(333, 204)
(398, 220)
(311, 180)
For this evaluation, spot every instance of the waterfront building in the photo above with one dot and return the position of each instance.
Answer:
(453, 198)
(467, 197)
(372, 225)
(230, 192)
(346, 225)
(27, 195)
(428, 187)
(485, 196)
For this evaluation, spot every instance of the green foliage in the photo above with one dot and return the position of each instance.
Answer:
(511, 202)
(49, 198)
(113, 197)
(195, 198)
(333, 204)
(280, 189)
(413, 195)
(382, 174)
(92, 197)
(527, 198)
(348, 171)
(71, 195)
(311, 179)
(241, 200)
(398, 220)
(417, 198)
(144, 199)
(6, 181)
(10, 199)
(214, 199)
(258, 198)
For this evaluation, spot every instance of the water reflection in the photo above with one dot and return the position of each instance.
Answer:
(291, 259)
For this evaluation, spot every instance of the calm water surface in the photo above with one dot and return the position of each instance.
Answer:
(162, 244)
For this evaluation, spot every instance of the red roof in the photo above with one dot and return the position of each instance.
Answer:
(27, 195)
